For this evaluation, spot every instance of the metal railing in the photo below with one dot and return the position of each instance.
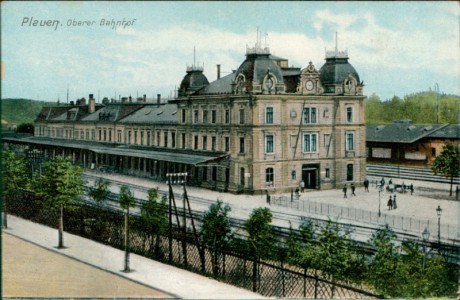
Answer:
(449, 232)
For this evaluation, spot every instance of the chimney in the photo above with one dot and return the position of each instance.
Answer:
(145, 98)
(158, 99)
(91, 104)
(218, 71)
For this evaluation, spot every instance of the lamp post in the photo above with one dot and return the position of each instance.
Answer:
(425, 236)
(439, 212)
(380, 190)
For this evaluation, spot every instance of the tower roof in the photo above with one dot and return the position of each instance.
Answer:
(337, 68)
(194, 80)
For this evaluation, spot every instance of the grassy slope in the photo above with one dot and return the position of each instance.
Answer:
(19, 111)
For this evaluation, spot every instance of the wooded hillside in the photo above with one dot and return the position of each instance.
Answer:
(20, 111)
(419, 107)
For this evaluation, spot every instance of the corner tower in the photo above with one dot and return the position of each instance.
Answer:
(258, 74)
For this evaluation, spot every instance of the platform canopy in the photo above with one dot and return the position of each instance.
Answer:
(189, 157)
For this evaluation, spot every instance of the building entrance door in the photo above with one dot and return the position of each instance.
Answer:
(310, 176)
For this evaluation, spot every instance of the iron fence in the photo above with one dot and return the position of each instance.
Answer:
(415, 226)
(106, 226)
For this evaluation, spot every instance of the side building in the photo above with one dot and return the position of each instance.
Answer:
(263, 127)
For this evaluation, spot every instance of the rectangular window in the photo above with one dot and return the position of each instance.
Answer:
(110, 135)
(349, 114)
(327, 139)
(135, 137)
(195, 146)
(87, 134)
(433, 151)
(328, 173)
(214, 173)
(183, 140)
(205, 173)
(241, 116)
(227, 116)
(142, 138)
(205, 142)
(213, 116)
(100, 134)
(166, 139)
(227, 144)
(213, 143)
(195, 116)
(310, 142)
(241, 144)
(309, 115)
(158, 138)
(93, 134)
(119, 136)
(205, 116)
(350, 146)
(269, 115)
(242, 173)
(173, 139)
(269, 176)
(349, 172)
(183, 115)
(269, 143)
(148, 138)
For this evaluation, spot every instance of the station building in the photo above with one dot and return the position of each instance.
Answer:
(263, 127)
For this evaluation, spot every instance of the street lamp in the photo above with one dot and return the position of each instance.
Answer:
(425, 236)
(380, 190)
(439, 212)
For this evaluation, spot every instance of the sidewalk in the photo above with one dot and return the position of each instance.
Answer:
(153, 274)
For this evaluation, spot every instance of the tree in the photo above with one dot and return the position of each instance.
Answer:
(385, 269)
(216, 230)
(447, 163)
(100, 190)
(333, 254)
(14, 177)
(154, 217)
(126, 199)
(261, 238)
(59, 186)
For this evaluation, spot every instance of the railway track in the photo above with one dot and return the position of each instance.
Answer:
(360, 234)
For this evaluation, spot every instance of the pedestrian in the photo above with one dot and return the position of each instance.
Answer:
(382, 182)
(394, 202)
(302, 186)
(344, 190)
(353, 189)
(292, 195)
(403, 187)
(268, 197)
(366, 185)
(297, 193)
(390, 203)
(457, 191)
(390, 182)
(412, 189)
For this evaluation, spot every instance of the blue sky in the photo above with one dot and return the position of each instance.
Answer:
(397, 48)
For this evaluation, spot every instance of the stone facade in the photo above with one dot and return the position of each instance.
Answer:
(270, 126)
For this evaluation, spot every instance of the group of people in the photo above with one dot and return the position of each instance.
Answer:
(392, 203)
(344, 190)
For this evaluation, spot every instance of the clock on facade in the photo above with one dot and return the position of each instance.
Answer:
(309, 85)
